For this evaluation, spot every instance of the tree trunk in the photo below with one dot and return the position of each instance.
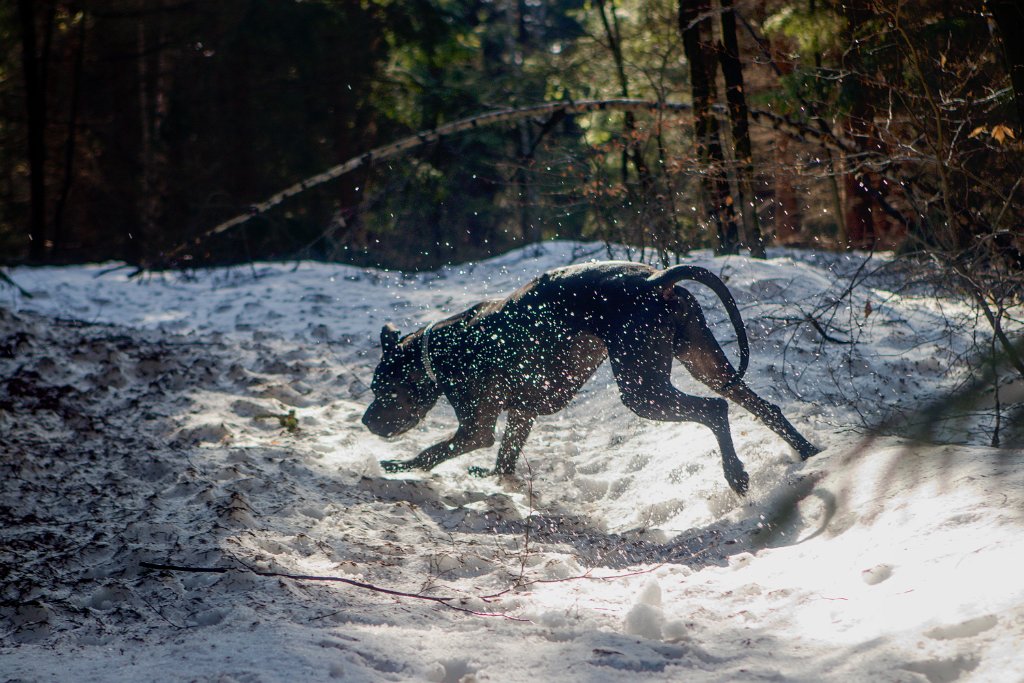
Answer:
(862, 217)
(695, 27)
(860, 226)
(70, 144)
(135, 237)
(787, 209)
(732, 70)
(526, 191)
(1009, 18)
(34, 69)
(154, 74)
(631, 151)
(787, 212)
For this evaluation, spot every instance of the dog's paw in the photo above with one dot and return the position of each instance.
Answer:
(395, 466)
(500, 475)
(739, 482)
(809, 451)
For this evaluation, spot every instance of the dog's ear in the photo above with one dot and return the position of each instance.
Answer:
(389, 336)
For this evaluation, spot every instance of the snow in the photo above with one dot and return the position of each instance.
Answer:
(143, 421)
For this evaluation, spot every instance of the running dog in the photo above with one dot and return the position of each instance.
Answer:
(530, 353)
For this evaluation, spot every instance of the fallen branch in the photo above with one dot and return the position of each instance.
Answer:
(446, 601)
(808, 318)
(819, 328)
(5, 278)
(551, 109)
(588, 576)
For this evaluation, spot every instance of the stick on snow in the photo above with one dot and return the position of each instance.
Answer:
(448, 602)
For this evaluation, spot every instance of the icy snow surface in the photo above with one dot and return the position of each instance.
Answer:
(137, 425)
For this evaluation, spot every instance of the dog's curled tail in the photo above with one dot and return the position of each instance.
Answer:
(668, 277)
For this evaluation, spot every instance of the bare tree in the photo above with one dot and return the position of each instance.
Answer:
(35, 59)
(68, 180)
(696, 29)
(735, 95)
(1009, 18)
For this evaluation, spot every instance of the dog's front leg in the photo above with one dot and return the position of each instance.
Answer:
(469, 437)
(516, 432)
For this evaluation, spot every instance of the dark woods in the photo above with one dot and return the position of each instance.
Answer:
(146, 120)
(127, 128)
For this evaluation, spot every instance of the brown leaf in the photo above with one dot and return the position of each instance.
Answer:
(1001, 132)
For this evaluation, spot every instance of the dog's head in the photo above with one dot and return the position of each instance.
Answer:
(402, 392)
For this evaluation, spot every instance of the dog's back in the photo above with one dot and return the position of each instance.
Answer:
(584, 298)
(543, 342)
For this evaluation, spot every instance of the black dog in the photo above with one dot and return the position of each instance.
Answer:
(530, 353)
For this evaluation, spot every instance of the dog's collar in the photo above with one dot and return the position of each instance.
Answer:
(427, 366)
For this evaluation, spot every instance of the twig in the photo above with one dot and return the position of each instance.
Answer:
(158, 612)
(580, 577)
(526, 527)
(441, 600)
(808, 318)
(112, 269)
(181, 568)
(821, 330)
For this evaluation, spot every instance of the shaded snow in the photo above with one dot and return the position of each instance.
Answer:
(138, 423)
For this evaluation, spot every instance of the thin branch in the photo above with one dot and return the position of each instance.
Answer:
(519, 585)
(446, 601)
(808, 318)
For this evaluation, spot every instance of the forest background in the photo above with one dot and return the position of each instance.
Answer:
(130, 128)
(208, 419)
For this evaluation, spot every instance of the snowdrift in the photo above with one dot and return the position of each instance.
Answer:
(212, 422)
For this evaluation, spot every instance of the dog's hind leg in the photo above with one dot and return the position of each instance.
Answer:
(697, 349)
(642, 362)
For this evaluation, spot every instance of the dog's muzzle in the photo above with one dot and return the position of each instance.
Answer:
(383, 425)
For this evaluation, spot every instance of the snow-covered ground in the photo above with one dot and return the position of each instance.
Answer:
(138, 424)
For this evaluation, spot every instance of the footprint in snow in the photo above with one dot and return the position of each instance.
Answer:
(965, 629)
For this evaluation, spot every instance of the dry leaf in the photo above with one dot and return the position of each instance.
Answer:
(977, 131)
(1001, 132)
